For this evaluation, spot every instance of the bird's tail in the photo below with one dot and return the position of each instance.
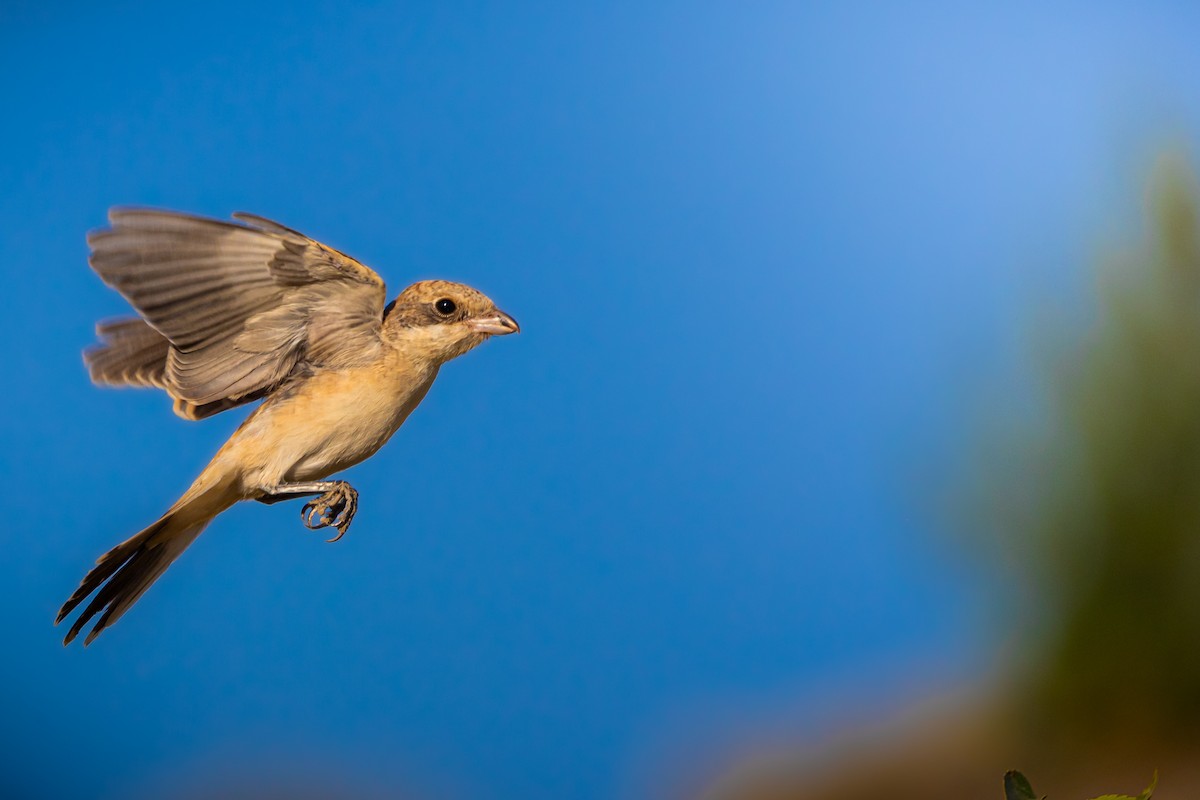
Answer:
(134, 564)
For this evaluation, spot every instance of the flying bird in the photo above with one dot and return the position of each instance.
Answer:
(236, 312)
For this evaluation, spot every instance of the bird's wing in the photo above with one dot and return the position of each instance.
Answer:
(242, 304)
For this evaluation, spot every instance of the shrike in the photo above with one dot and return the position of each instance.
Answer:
(236, 312)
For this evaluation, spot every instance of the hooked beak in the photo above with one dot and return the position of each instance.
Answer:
(499, 324)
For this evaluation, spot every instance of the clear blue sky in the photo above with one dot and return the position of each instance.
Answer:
(760, 253)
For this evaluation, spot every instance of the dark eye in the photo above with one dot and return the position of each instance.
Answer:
(445, 306)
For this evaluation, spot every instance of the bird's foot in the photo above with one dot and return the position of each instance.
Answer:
(334, 509)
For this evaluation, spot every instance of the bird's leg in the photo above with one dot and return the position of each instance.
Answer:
(335, 507)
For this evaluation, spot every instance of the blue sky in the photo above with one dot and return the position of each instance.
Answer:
(761, 254)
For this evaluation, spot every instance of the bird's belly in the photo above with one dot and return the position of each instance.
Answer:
(328, 425)
(345, 436)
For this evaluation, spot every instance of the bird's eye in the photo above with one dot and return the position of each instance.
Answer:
(445, 306)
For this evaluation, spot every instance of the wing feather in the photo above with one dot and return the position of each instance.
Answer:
(129, 352)
(239, 304)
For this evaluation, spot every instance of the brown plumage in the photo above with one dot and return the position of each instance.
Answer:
(234, 312)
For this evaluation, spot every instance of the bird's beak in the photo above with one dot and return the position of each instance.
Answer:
(498, 324)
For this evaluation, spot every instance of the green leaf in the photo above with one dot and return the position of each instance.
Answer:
(1143, 796)
(1016, 787)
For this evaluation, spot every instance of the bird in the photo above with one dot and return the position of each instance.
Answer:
(237, 312)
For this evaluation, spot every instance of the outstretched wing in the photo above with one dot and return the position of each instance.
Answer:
(241, 306)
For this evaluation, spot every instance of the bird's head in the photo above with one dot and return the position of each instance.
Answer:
(442, 320)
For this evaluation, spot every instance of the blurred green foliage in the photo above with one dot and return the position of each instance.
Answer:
(1017, 787)
(1096, 501)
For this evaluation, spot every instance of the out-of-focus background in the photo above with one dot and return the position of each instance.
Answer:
(851, 449)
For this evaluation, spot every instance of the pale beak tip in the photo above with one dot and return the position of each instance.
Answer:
(499, 325)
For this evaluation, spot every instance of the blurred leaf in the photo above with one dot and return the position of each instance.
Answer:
(1143, 796)
(1017, 787)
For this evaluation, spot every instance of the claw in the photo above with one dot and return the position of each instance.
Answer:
(315, 515)
(335, 508)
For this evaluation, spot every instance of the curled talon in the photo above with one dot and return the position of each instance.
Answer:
(317, 515)
(345, 507)
(312, 515)
(335, 508)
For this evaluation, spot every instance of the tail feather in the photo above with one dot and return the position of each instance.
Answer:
(129, 569)
(106, 566)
